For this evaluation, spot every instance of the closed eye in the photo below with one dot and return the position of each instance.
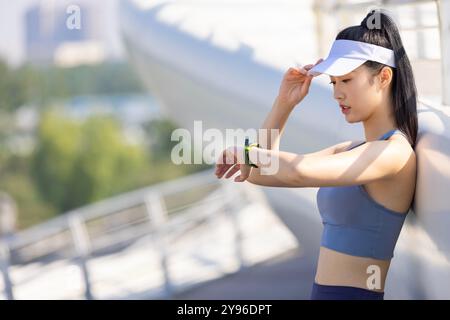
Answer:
(344, 81)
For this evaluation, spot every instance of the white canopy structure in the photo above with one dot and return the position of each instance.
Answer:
(222, 61)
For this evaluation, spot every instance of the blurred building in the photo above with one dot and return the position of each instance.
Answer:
(49, 39)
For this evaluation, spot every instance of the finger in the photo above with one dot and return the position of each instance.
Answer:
(224, 163)
(233, 171)
(296, 75)
(241, 178)
(293, 71)
(310, 66)
(220, 159)
(219, 169)
(220, 163)
(305, 87)
(223, 168)
(245, 173)
(298, 70)
(302, 70)
(227, 158)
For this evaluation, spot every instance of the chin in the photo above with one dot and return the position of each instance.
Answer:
(350, 120)
(355, 119)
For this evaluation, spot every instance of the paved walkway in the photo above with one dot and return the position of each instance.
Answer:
(287, 277)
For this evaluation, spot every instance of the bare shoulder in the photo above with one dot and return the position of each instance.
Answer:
(404, 149)
(401, 146)
(346, 145)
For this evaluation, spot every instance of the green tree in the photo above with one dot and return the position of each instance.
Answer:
(159, 132)
(31, 207)
(11, 89)
(42, 84)
(106, 164)
(78, 163)
(55, 156)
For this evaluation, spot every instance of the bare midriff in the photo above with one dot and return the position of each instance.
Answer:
(339, 269)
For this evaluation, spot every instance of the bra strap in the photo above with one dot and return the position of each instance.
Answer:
(388, 134)
(383, 137)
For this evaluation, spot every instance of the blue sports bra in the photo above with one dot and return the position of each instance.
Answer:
(356, 224)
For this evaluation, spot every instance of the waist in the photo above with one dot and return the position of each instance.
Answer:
(378, 242)
(340, 269)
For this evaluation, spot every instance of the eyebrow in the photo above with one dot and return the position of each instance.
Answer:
(348, 74)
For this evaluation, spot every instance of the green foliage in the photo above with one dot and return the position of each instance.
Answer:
(40, 85)
(12, 92)
(54, 82)
(16, 181)
(159, 132)
(31, 207)
(78, 163)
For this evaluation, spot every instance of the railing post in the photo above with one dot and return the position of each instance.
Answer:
(326, 26)
(233, 212)
(81, 242)
(157, 214)
(444, 25)
(4, 266)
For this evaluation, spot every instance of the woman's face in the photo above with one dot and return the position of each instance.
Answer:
(360, 90)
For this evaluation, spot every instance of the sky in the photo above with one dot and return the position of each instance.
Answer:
(12, 28)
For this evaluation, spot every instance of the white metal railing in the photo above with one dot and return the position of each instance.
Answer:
(444, 23)
(118, 221)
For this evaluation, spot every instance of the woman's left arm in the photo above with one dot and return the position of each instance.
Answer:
(372, 161)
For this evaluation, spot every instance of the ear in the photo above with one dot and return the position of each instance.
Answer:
(385, 77)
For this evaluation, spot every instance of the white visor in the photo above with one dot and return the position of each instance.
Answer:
(347, 55)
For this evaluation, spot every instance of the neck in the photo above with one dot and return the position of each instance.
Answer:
(380, 122)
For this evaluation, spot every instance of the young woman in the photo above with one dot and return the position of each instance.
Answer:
(366, 188)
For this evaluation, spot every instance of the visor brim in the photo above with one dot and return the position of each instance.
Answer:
(336, 67)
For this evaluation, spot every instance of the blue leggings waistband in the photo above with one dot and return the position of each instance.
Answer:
(324, 292)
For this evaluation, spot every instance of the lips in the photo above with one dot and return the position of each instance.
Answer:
(345, 109)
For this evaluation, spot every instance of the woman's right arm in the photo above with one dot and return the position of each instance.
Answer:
(293, 89)
(276, 119)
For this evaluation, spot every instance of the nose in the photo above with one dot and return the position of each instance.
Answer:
(338, 95)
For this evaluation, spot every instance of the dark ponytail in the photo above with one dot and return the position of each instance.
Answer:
(384, 33)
